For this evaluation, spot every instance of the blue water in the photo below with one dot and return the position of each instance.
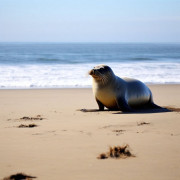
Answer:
(53, 65)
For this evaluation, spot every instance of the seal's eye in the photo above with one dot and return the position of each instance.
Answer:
(101, 70)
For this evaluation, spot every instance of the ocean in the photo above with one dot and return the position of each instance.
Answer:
(66, 65)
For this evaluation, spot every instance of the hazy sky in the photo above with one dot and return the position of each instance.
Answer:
(90, 20)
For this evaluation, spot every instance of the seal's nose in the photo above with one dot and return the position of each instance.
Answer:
(91, 72)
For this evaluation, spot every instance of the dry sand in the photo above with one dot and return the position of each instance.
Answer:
(65, 143)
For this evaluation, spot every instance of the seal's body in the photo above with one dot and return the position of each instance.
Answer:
(116, 93)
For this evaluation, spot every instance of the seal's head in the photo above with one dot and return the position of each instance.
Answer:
(101, 73)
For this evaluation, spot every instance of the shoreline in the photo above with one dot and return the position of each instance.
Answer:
(64, 143)
(85, 87)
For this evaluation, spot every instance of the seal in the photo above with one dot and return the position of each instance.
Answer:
(117, 93)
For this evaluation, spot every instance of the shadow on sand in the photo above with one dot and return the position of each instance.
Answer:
(137, 111)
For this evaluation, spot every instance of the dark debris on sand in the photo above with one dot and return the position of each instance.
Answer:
(27, 126)
(117, 152)
(143, 123)
(38, 117)
(119, 131)
(19, 176)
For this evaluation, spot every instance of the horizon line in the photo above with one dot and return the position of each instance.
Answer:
(84, 42)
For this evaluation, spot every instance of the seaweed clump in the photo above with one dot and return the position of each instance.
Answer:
(38, 117)
(19, 176)
(117, 152)
(27, 126)
(143, 123)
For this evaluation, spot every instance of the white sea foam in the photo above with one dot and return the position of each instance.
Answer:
(75, 75)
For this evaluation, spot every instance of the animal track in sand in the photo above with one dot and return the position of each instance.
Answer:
(47, 133)
(118, 131)
(118, 126)
(85, 132)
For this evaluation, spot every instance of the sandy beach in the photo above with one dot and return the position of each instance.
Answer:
(65, 142)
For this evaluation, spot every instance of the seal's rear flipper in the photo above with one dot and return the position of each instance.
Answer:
(154, 106)
(123, 105)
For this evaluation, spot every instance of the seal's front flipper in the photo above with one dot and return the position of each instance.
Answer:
(101, 106)
(123, 105)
